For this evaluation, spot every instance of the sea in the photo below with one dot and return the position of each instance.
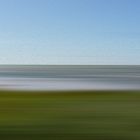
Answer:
(69, 77)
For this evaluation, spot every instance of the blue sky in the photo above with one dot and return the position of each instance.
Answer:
(70, 32)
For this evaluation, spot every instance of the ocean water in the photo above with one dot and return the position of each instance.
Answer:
(52, 77)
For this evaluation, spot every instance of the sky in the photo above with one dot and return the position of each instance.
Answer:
(71, 32)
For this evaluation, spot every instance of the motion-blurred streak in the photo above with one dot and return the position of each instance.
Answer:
(70, 77)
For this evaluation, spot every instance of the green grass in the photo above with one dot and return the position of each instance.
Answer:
(77, 115)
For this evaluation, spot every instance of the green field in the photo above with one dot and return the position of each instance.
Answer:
(81, 115)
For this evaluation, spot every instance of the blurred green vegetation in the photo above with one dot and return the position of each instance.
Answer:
(70, 115)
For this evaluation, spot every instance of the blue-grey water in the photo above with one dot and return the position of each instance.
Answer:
(69, 77)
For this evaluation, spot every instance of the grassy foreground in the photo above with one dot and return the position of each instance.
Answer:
(81, 115)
